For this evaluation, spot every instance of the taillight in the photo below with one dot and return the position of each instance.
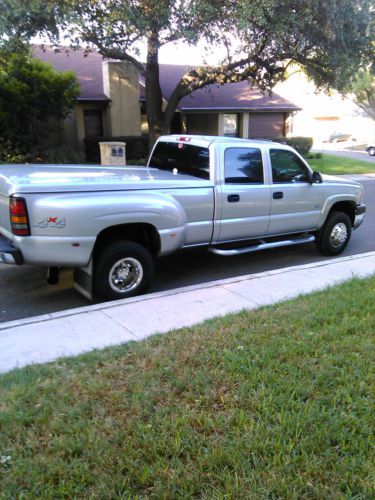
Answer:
(18, 217)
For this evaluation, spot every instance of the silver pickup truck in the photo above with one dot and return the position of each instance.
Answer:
(230, 195)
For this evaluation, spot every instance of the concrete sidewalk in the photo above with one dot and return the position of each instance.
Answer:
(45, 338)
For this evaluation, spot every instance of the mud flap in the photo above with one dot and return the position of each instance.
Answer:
(83, 280)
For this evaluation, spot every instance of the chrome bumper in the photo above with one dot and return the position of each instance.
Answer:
(8, 253)
(359, 215)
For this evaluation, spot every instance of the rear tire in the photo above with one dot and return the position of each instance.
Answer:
(335, 234)
(371, 151)
(123, 269)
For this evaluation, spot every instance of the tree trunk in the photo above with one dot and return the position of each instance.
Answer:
(154, 98)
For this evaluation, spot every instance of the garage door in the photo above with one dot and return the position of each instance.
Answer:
(266, 125)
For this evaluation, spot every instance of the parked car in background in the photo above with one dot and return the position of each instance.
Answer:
(340, 137)
(371, 149)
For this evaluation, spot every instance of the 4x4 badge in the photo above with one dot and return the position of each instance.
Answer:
(51, 222)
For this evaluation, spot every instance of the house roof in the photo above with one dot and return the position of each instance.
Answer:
(238, 96)
(88, 68)
(228, 97)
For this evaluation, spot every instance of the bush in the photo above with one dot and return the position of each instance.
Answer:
(300, 144)
(136, 147)
(61, 154)
(10, 154)
(32, 96)
(314, 156)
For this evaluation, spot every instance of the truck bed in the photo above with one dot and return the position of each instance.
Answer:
(18, 179)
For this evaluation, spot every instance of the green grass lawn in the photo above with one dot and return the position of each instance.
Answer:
(335, 165)
(276, 403)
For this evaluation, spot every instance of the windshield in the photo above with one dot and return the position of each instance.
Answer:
(186, 158)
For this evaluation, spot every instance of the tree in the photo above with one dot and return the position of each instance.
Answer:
(262, 38)
(363, 90)
(32, 97)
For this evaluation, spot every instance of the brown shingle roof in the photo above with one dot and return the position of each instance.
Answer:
(238, 96)
(88, 69)
(230, 96)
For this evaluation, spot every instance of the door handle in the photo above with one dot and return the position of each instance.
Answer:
(278, 195)
(233, 198)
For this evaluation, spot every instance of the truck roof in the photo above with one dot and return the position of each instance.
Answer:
(206, 140)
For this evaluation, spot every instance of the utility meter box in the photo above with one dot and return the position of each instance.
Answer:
(113, 153)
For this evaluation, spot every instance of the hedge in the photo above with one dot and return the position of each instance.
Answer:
(300, 144)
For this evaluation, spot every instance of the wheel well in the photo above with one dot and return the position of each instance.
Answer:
(348, 207)
(142, 233)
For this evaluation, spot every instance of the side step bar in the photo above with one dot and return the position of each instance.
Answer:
(261, 246)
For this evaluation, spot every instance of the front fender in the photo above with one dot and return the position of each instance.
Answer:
(332, 200)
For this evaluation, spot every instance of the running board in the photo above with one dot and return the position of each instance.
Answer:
(261, 246)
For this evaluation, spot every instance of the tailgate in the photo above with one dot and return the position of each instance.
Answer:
(4, 215)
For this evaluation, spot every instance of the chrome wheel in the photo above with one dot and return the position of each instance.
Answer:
(338, 235)
(125, 275)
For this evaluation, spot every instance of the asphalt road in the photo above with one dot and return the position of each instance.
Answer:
(24, 292)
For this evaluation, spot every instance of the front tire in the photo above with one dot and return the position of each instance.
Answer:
(123, 269)
(371, 151)
(335, 234)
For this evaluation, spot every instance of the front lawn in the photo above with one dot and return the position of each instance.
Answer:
(335, 165)
(276, 403)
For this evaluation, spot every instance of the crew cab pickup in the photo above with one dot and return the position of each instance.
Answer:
(230, 195)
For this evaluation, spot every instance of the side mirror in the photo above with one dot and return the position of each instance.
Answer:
(316, 178)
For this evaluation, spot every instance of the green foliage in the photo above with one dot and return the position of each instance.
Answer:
(276, 403)
(363, 89)
(33, 100)
(300, 144)
(61, 154)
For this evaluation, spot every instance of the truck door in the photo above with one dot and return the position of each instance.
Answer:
(295, 203)
(244, 197)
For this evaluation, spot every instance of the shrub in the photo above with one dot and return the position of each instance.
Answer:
(300, 144)
(61, 154)
(32, 96)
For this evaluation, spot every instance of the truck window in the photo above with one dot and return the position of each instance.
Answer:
(186, 158)
(243, 165)
(287, 167)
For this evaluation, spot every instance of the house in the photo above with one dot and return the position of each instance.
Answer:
(112, 102)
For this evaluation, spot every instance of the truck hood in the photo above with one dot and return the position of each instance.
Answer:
(333, 179)
(18, 179)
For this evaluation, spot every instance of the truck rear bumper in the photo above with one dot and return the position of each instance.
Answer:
(8, 253)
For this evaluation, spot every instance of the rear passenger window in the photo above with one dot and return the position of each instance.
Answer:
(243, 166)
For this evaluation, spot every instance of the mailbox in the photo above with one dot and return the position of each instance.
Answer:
(113, 153)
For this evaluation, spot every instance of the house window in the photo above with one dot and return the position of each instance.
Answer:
(93, 123)
(231, 125)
